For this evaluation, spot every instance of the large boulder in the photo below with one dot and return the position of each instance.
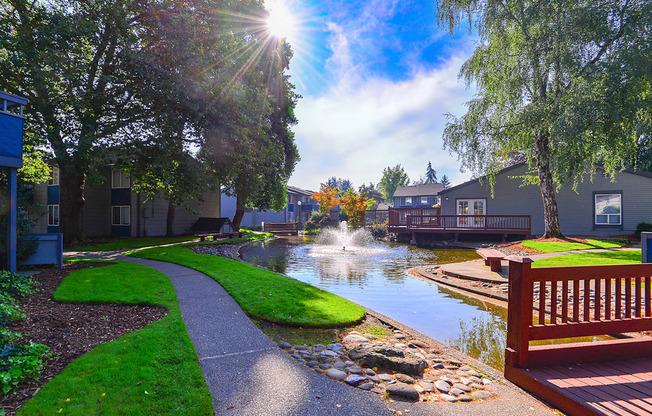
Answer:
(388, 357)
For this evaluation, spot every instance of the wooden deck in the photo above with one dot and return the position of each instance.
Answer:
(611, 388)
(430, 221)
(589, 378)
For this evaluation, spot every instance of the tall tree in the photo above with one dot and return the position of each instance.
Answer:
(445, 183)
(393, 177)
(559, 81)
(339, 183)
(67, 58)
(431, 174)
(371, 192)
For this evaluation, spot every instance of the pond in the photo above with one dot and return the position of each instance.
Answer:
(374, 276)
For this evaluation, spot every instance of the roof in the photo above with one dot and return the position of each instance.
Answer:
(483, 178)
(295, 190)
(425, 189)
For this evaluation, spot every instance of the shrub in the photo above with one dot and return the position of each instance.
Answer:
(254, 228)
(317, 222)
(17, 362)
(644, 226)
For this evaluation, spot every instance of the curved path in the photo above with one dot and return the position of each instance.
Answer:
(248, 375)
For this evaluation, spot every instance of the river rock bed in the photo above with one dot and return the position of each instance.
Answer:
(362, 361)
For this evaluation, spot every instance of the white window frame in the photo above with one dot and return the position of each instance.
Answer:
(408, 201)
(54, 208)
(596, 214)
(123, 177)
(54, 176)
(128, 216)
(424, 200)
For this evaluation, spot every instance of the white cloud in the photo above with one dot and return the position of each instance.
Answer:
(357, 128)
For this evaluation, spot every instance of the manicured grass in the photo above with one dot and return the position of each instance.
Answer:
(135, 242)
(263, 294)
(139, 242)
(154, 371)
(591, 259)
(553, 247)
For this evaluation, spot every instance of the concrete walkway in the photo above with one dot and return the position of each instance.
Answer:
(247, 374)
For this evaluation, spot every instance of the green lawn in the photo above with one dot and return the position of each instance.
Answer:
(139, 242)
(591, 259)
(553, 247)
(263, 294)
(135, 242)
(153, 371)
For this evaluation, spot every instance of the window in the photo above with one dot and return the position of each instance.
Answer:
(53, 215)
(424, 200)
(54, 176)
(608, 209)
(121, 215)
(471, 207)
(120, 179)
(408, 200)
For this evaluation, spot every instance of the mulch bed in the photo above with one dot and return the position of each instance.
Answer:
(70, 329)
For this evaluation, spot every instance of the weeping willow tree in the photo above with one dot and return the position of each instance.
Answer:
(565, 83)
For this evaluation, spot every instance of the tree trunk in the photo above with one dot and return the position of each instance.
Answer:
(239, 213)
(547, 186)
(71, 204)
(170, 220)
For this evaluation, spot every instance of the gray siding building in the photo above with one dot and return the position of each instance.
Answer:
(300, 206)
(598, 207)
(112, 208)
(424, 195)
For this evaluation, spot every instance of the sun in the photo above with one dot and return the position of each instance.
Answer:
(281, 22)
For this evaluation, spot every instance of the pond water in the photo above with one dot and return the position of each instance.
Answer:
(374, 276)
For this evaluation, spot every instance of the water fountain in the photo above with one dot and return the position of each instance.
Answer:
(342, 240)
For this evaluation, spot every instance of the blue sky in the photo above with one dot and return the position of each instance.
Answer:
(377, 78)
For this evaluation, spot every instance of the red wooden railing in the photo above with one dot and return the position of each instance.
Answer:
(575, 302)
(415, 219)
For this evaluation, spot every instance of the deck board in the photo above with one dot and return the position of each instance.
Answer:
(610, 388)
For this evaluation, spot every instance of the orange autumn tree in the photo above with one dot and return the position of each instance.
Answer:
(326, 198)
(355, 206)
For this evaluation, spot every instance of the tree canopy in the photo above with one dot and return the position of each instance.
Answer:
(339, 183)
(563, 83)
(142, 84)
(393, 177)
(445, 183)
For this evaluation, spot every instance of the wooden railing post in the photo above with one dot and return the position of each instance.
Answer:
(519, 311)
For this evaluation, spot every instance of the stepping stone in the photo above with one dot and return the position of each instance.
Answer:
(336, 374)
(442, 386)
(354, 379)
(371, 337)
(482, 395)
(355, 338)
(456, 392)
(312, 364)
(367, 386)
(448, 398)
(301, 347)
(465, 398)
(428, 387)
(463, 387)
(385, 377)
(284, 345)
(404, 378)
(335, 347)
(354, 370)
(403, 390)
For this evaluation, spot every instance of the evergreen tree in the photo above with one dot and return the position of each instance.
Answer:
(431, 174)
(445, 183)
